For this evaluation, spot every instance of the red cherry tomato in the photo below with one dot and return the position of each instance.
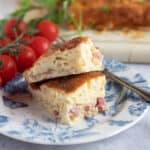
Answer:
(21, 27)
(8, 68)
(48, 29)
(40, 45)
(27, 39)
(11, 24)
(25, 58)
(1, 81)
(4, 41)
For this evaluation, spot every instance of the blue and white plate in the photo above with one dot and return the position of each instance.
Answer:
(28, 122)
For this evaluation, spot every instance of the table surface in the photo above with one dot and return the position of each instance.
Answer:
(137, 137)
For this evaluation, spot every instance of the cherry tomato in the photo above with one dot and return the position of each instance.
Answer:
(48, 29)
(40, 45)
(11, 24)
(27, 39)
(8, 68)
(4, 41)
(21, 27)
(25, 58)
(1, 81)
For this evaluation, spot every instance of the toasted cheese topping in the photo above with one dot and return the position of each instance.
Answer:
(70, 83)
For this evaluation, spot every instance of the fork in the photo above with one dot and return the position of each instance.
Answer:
(144, 94)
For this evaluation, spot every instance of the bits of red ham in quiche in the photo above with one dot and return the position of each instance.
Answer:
(75, 111)
(88, 107)
(97, 55)
(101, 104)
(89, 110)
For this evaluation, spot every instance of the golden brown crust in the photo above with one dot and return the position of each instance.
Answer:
(112, 14)
(69, 44)
(68, 84)
(66, 45)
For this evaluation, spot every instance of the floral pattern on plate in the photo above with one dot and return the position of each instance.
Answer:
(28, 122)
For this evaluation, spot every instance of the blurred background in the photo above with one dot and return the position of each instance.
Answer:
(127, 45)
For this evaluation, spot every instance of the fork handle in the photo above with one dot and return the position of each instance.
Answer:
(144, 94)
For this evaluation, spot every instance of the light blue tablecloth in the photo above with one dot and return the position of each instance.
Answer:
(135, 138)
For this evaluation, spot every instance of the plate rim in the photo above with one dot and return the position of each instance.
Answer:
(82, 142)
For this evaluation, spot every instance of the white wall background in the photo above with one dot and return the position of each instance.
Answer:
(7, 6)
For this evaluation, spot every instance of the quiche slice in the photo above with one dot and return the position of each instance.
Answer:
(70, 99)
(112, 14)
(76, 56)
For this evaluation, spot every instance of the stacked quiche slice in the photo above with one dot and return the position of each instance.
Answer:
(68, 81)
